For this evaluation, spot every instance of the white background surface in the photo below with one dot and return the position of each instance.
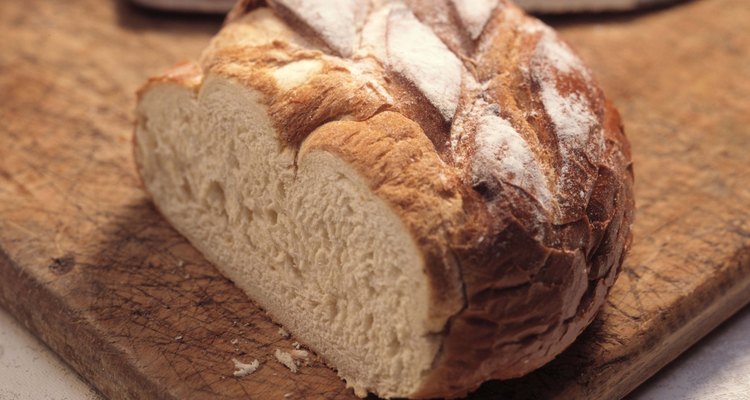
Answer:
(717, 368)
(30, 371)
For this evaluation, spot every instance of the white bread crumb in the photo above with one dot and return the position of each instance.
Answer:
(283, 333)
(286, 359)
(245, 369)
(299, 354)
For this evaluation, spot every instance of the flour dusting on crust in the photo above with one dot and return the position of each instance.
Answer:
(571, 114)
(474, 14)
(502, 153)
(336, 21)
(417, 53)
(553, 53)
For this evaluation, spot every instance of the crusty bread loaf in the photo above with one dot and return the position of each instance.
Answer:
(429, 194)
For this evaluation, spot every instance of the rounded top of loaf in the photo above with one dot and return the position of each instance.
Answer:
(500, 96)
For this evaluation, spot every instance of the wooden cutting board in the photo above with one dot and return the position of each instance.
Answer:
(88, 265)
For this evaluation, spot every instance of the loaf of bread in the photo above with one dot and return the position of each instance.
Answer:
(429, 194)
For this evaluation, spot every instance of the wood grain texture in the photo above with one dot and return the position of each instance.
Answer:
(88, 265)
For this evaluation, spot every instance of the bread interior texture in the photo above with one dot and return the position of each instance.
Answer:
(300, 232)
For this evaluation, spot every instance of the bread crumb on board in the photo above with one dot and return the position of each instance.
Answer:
(283, 333)
(299, 354)
(243, 369)
(286, 359)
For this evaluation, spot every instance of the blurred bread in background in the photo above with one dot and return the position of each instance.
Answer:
(203, 6)
(535, 6)
(565, 6)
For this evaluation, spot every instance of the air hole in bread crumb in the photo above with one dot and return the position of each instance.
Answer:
(325, 234)
(233, 162)
(393, 345)
(291, 265)
(272, 215)
(158, 162)
(187, 191)
(368, 284)
(215, 198)
(332, 306)
(247, 214)
(368, 321)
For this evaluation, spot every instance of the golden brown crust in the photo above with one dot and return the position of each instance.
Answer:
(184, 73)
(516, 276)
(530, 302)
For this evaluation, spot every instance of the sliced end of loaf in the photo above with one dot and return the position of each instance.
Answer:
(303, 233)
